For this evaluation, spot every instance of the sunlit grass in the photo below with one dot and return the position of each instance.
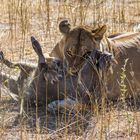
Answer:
(19, 19)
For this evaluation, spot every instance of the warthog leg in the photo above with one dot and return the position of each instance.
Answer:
(25, 70)
(9, 81)
(25, 67)
(37, 48)
(51, 69)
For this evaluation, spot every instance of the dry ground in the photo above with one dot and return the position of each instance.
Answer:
(23, 18)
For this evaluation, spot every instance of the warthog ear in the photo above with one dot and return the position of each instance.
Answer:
(64, 26)
(99, 32)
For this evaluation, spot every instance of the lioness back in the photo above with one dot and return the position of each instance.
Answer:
(58, 50)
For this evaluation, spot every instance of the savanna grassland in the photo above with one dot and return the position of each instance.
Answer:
(19, 20)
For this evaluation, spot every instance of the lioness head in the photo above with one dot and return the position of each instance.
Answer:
(79, 41)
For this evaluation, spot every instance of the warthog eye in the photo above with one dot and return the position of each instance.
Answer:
(86, 55)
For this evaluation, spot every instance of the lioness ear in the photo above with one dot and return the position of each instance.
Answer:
(99, 32)
(64, 26)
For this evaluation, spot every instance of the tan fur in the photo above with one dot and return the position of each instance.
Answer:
(58, 50)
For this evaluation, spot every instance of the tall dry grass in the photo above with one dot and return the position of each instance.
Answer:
(19, 19)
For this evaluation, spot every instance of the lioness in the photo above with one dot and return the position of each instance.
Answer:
(80, 41)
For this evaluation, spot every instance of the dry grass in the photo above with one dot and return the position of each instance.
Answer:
(19, 19)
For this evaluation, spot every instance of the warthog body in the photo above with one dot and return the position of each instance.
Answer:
(50, 82)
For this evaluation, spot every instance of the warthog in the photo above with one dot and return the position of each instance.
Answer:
(50, 82)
